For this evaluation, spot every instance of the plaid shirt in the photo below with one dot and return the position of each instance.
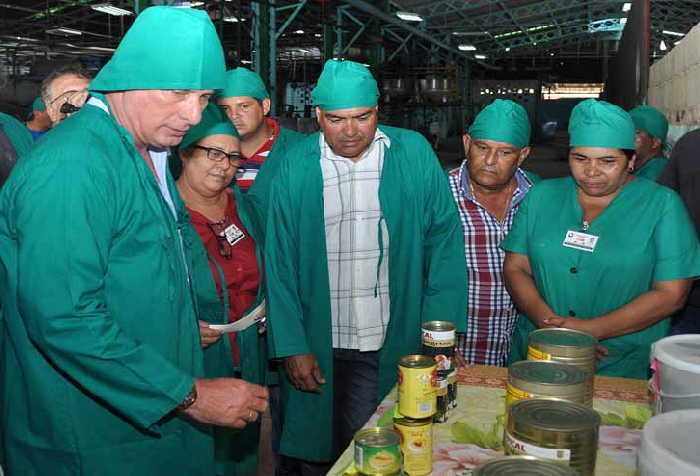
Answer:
(359, 291)
(491, 313)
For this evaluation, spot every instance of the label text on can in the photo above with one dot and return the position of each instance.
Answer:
(515, 446)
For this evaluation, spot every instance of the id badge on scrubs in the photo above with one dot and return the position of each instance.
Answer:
(233, 234)
(580, 241)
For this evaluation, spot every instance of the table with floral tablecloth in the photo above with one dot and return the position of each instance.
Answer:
(473, 433)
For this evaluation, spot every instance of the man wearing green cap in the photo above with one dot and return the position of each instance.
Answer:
(39, 121)
(264, 141)
(488, 188)
(102, 364)
(362, 241)
(652, 127)
(601, 251)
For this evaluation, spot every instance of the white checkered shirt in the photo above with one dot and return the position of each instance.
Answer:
(491, 313)
(359, 292)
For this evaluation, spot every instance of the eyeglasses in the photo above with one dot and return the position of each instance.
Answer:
(217, 155)
(218, 229)
(72, 101)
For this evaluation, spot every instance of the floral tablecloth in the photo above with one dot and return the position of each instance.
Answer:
(474, 432)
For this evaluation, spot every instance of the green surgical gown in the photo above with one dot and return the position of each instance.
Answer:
(645, 236)
(653, 168)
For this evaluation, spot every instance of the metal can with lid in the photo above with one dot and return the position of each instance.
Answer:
(532, 379)
(416, 445)
(566, 346)
(439, 339)
(378, 452)
(417, 386)
(556, 430)
(443, 397)
(522, 466)
(452, 388)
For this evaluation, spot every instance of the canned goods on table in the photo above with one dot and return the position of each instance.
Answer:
(377, 452)
(417, 386)
(438, 339)
(416, 445)
(443, 397)
(532, 379)
(556, 430)
(522, 466)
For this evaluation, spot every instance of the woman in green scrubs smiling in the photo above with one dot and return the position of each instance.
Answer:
(601, 251)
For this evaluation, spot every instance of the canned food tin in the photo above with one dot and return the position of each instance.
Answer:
(417, 386)
(377, 451)
(522, 466)
(416, 445)
(443, 397)
(439, 341)
(556, 430)
(532, 379)
(566, 346)
(452, 388)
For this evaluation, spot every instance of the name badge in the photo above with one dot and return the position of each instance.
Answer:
(233, 234)
(580, 241)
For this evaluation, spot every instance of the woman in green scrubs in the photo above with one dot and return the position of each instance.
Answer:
(601, 251)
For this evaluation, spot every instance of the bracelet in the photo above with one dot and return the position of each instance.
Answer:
(189, 400)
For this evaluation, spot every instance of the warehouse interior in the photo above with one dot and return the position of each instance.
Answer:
(438, 62)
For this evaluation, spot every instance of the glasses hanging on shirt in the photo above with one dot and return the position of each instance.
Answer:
(218, 229)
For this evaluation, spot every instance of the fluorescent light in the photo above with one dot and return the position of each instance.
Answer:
(507, 49)
(627, 6)
(409, 16)
(623, 21)
(63, 31)
(317, 35)
(246, 62)
(466, 47)
(186, 4)
(469, 33)
(551, 54)
(299, 32)
(662, 46)
(231, 19)
(110, 9)
(673, 33)
(480, 57)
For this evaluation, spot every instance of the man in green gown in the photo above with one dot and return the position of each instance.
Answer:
(652, 127)
(101, 362)
(363, 245)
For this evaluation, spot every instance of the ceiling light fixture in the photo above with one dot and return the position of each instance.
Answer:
(627, 6)
(662, 46)
(231, 19)
(409, 16)
(110, 9)
(480, 57)
(63, 31)
(673, 33)
(466, 47)
(469, 33)
(299, 32)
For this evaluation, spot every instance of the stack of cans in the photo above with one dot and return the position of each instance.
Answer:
(438, 339)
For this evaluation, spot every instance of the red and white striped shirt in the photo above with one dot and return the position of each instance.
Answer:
(246, 174)
(491, 313)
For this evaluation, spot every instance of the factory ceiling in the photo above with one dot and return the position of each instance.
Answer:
(488, 33)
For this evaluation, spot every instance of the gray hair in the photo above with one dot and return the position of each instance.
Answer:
(73, 69)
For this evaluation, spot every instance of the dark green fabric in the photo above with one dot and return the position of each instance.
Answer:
(653, 168)
(244, 82)
(166, 48)
(650, 120)
(502, 121)
(99, 319)
(236, 450)
(213, 122)
(427, 277)
(345, 85)
(18, 134)
(596, 123)
(258, 194)
(645, 236)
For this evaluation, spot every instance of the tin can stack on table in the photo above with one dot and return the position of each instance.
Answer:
(533, 379)
(378, 452)
(438, 339)
(522, 466)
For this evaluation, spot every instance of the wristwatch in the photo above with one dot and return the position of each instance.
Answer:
(189, 400)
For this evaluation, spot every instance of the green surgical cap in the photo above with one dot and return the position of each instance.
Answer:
(503, 121)
(345, 85)
(166, 48)
(213, 122)
(650, 120)
(244, 82)
(600, 124)
(38, 104)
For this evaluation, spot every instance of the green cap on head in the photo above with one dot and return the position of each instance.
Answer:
(166, 48)
(345, 85)
(244, 82)
(214, 121)
(38, 104)
(502, 121)
(596, 123)
(650, 120)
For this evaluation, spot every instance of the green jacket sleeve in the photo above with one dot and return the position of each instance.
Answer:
(517, 239)
(445, 291)
(286, 334)
(676, 242)
(63, 224)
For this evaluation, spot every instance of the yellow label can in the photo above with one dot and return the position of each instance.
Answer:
(417, 386)
(514, 394)
(536, 354)
(416, 445)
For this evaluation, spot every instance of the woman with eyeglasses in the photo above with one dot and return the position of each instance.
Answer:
(225, 273)
(601, 251)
